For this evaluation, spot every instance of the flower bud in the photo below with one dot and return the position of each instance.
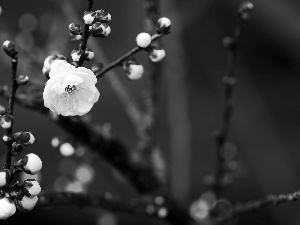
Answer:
(103, 16)
(8, 139)
(76, 55)
(16, 149)
(6, 121)
(31, 163)
(163, 25)
(10, 49)
(31, 187)
(75, 29)
(100, 29)
(48, 61)
(89, 54)
(156, 55)
(26, 138)
(96, 67)
(2, 110)
(133, 70)
(143, 40)
(26, 203)
(7, 208)
(4, 177)
(22, 79)
(89, 17)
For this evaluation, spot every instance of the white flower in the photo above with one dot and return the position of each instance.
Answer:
(70, 91)
(143, 40)
(7, 208)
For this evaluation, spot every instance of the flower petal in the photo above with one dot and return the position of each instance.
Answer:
(60, 66)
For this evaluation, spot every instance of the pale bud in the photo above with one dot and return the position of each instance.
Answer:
(89, 17)
(4, 177)
(163, 25)
(31, 163)
(143, 40)
(7, 208)
(156, 55)
(26, 203)
(6, 121)
(31, 187)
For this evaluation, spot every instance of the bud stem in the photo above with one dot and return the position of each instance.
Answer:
(13, 88)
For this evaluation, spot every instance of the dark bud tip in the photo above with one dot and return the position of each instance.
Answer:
(22, 79)
(16, 149)
(10, 49)
(75, 29)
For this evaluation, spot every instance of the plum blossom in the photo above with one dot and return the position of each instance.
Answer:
(70, 91)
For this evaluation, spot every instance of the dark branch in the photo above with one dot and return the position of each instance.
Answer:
(11, 101)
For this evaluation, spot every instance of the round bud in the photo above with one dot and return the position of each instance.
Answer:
(10, 49)
(26, 138)
(76, 54)
(7, 139)
(26, 203)
(16, 149)
(4, 177)
(31, 163)
(89, 54)
(163, 25)
(89, 17)
(134, 71)
(2, 110)
(48, 61)
(143, 40)
(100, 29)
(7, 208)
(22, 79)
(6, 121)
(156, 55)
(103, 16)
(96, 67)
(75, 29)
(31, 187)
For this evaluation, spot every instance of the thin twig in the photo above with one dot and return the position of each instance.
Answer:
(121, 59)
(85, 37)
(229, 80)
(11, 101)
(257, 205)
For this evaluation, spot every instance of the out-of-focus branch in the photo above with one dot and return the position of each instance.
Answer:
(257, 205)
(105, 201)
(229, 80)
(151, 94)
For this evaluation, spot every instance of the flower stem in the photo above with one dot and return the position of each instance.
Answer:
(85, 37)
(11, 100)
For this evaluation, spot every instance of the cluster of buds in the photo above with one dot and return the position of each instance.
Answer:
(97, 21)
(245, 9)
(48, 61)
(22, 196)
(134, 70)
(77, 54)
(17, 141)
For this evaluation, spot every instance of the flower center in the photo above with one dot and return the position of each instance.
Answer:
(70, 89)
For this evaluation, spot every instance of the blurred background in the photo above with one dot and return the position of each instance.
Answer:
(265, 129)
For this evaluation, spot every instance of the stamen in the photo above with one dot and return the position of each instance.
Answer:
(70, 89)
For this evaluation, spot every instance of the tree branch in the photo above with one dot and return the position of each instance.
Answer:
(229, 80)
